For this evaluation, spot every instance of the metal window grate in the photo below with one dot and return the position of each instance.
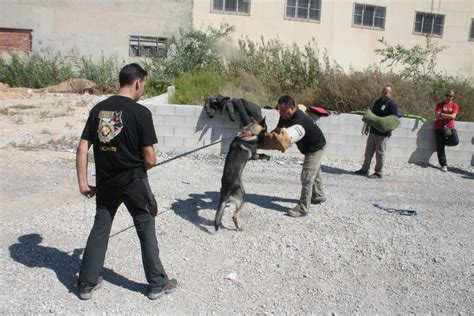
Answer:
(140, 46)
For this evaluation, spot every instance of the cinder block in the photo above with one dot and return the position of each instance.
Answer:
(164, 109)
(401, 132)
(192, 142)
(399, 142)
(185, 110)
(164, 130)
(160, 140)
(465, 136)
(465, 126)
(336, 138)
(174, 121)
(171, 141)
(356, 140)
(158, 120)
(183, 131)
(191, 122)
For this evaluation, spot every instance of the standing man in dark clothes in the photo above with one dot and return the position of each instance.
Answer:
(377, 140)
(122, 134)
(312, 147)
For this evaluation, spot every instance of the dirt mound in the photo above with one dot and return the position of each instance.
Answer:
(72, 85)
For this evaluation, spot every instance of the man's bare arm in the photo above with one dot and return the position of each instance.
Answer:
(81, 169)
(149, 157)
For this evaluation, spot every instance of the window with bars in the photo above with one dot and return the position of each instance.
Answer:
(369, 16)
(140, 46)
(429, 23)
(308, 10)
(231, 6)
(471, 32)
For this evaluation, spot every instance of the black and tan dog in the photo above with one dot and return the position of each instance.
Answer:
(242, 149)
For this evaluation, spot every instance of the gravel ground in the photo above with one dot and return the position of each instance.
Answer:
(346, 257)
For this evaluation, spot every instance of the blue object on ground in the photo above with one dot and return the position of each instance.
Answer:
(404, 212)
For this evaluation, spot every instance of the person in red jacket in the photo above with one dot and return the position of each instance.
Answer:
(445, 114)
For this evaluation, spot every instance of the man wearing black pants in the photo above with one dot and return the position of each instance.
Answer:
(122, 134)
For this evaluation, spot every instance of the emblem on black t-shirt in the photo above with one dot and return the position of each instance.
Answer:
(110, 125)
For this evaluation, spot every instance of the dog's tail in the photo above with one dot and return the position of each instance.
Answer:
(220, 212)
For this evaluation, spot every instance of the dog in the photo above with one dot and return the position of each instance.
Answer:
(242, 149)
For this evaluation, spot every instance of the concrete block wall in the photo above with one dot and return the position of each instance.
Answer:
(181, 128)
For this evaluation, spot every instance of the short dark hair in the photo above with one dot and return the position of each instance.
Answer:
(287, 100)
(130, 73)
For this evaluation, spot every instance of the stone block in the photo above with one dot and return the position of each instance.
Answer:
(164, 109)
(186, 110)
(172, 141)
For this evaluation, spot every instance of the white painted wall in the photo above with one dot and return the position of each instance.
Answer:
(354, 46)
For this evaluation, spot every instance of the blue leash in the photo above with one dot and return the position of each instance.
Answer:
(404, 212)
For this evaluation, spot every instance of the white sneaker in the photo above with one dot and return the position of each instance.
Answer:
(444, 168)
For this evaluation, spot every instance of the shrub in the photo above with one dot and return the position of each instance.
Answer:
(192, 51)
(155, 86)
(105, 70)
(195, 88)
(280, 67)
(37, 70)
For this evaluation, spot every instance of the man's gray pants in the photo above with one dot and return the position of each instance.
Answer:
(311, 180)
(375, 144)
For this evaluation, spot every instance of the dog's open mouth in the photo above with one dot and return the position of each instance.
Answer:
(247, 136)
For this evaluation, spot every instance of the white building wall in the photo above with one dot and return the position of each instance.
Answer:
(354, 46)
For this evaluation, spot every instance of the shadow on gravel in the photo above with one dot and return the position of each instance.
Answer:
(189, 209)
(333, 170)
(30, 253)
(464, 173)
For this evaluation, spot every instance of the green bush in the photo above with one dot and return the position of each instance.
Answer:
(280, 67)
(192, 51)
(37, 70)
(105, 70)
(155, 86)
(195, 88)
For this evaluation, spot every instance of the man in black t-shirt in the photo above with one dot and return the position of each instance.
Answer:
(312, 147)
(122, 134)
(377, 140)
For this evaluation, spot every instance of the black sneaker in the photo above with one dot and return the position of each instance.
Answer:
(158, 291)
(361, 172)
(86, 290)
(376, 175)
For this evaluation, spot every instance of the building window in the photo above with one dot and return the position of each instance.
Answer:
(231, 6)
(471, 32)
(18, 40)
(147, 46)
(369, 16)
(429, 24)
(309, 10)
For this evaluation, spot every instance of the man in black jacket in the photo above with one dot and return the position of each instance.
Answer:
(312, 147)
(377, 140)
